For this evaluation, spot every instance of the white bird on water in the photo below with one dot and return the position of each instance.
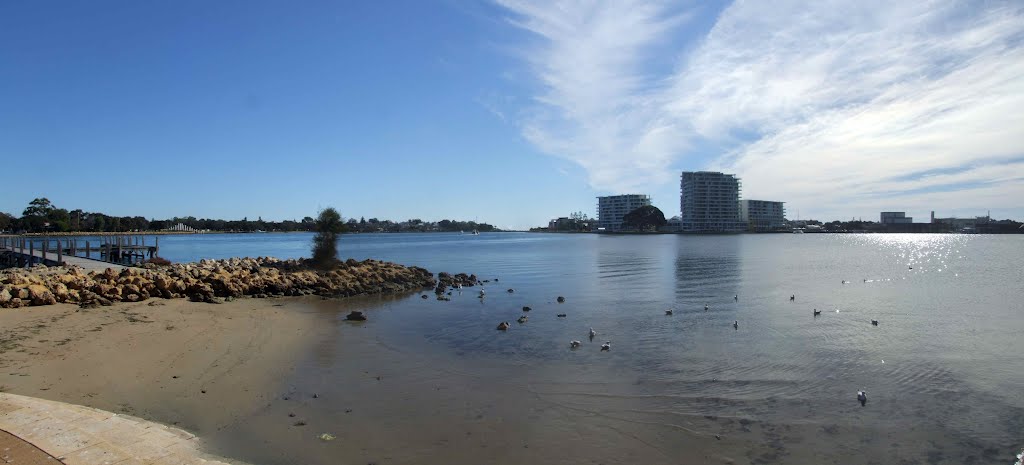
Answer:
(574, 344)
(592, 333)
(606, 346)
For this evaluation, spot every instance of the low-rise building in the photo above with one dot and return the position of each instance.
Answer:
(763, 215)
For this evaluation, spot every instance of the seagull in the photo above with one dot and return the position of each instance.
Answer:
(574, 344)
(862, 397)
(592, 334)
(668, 312)
(606, 346)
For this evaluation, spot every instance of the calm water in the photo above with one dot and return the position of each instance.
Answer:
(943, 370)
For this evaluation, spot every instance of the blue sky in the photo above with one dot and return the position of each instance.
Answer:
(511, 112)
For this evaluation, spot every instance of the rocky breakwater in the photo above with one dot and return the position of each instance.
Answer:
(207, 281)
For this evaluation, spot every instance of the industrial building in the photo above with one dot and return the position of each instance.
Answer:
(895, 218)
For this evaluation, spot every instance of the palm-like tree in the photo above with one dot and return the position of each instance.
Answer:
(328, 226)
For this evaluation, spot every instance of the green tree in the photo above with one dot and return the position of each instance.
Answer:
(38, 207)
(644, 218)
(325, 249)
(6, 221)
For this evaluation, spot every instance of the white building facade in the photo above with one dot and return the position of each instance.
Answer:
(762, 215)
(611, 209)
(709, 202)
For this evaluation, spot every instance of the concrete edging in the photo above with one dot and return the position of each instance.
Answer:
(78, 435)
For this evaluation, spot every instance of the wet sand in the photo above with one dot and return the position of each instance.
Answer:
(197, 366)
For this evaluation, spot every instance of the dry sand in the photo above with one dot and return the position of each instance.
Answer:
(198, 366)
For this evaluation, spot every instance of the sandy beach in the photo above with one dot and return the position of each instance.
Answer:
(197, 366)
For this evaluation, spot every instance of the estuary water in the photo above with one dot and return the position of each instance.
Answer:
(427, 381)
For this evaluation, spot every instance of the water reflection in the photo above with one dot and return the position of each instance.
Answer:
(707, 270)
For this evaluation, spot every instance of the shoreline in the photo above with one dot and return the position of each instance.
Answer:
(194, 366)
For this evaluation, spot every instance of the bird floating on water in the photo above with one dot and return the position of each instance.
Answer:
(817, 312)
(874, 322)
(862, 397)
(592, 333)
(736, 297)
(606, 346)
(792, 297)
(522, 319)
(561, 315)
(706, 307)
(574, 344)
(503, 326)
(510, 290)
(526, 309)
(736, 324)
(668, 312)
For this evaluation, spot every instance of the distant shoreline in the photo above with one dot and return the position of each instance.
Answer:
(192, 233)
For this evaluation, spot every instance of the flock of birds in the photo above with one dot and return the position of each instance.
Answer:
(862, 396)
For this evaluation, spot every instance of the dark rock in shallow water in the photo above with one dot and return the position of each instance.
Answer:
(356, 316)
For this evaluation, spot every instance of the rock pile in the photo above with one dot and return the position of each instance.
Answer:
(208, 280)
(445, 280)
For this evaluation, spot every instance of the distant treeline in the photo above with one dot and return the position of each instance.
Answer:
(42, 216)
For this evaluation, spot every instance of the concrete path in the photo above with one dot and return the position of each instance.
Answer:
(14, 450)
(78, 435)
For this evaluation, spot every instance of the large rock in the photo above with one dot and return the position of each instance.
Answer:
(41, 295)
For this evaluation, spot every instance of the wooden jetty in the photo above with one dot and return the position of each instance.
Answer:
(92, 254)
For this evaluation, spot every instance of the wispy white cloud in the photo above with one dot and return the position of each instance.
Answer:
(835, 102)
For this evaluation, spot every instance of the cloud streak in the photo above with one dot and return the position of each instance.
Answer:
(823, 105)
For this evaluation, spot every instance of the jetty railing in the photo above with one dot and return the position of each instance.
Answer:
(123, 249)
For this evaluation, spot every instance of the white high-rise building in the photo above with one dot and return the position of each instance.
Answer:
(709, 202)
(762, 215)
(611, 209)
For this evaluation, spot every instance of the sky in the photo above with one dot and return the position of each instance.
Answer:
(509, 112)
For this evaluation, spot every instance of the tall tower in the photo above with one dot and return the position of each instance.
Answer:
(709, 202)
